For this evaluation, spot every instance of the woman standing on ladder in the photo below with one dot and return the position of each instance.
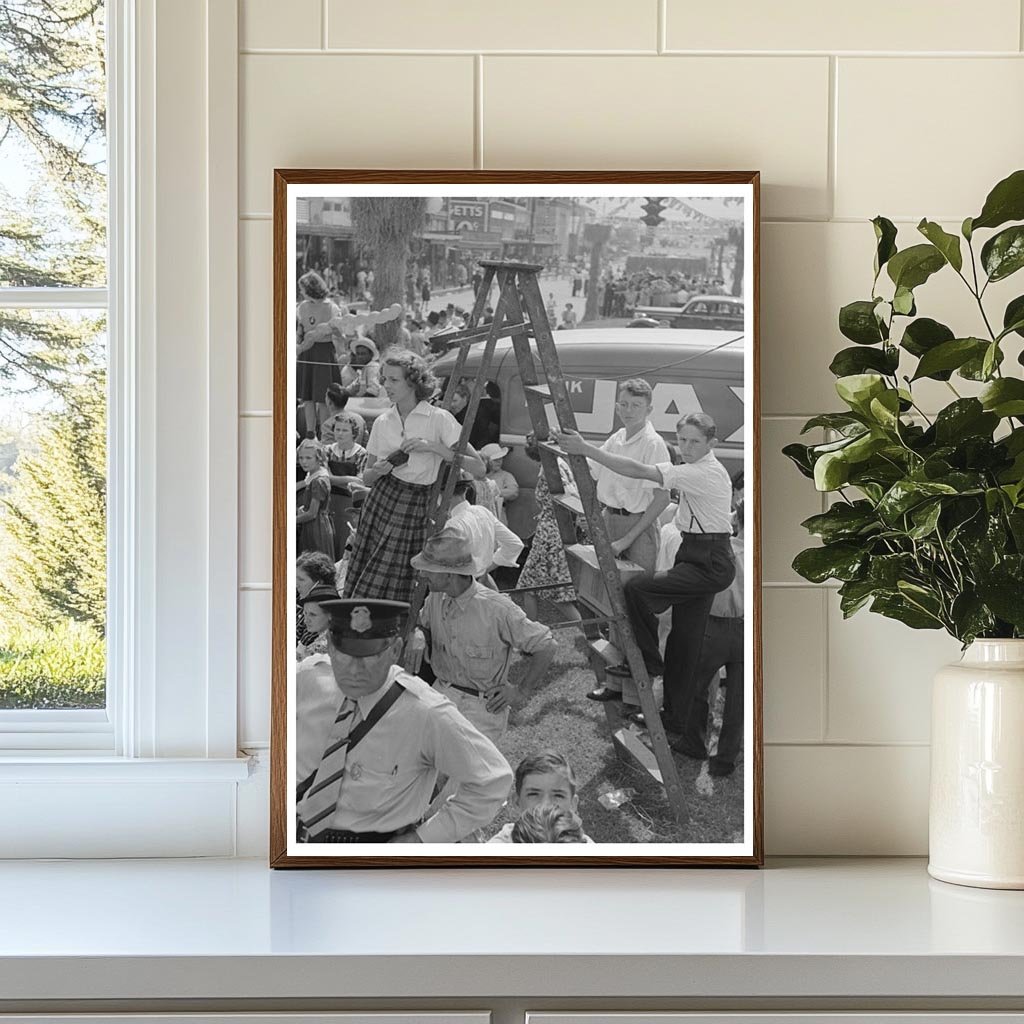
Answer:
(408, 445)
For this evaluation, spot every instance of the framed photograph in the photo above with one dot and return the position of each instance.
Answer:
(516, 519)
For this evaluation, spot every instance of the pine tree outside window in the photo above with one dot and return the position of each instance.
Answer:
(53, 367)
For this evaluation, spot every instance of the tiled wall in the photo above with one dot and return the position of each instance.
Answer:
(905, 109)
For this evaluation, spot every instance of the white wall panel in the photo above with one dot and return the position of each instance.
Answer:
(683, 113)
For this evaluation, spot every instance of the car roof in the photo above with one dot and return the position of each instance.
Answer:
(715, 298)
(645, 348)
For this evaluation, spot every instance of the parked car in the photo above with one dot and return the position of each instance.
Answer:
(701, 313)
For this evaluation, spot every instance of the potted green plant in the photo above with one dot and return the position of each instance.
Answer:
(927, 521)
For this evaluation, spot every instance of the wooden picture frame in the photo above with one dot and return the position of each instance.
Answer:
(715, 217)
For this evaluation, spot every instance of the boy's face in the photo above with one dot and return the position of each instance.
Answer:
(551, 788)
(632, 409)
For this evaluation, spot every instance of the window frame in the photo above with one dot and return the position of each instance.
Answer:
(172, 468)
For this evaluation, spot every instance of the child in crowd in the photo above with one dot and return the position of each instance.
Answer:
(547, 824)
(544, 779)
(504, 482)
(312, 569)
(316, 621)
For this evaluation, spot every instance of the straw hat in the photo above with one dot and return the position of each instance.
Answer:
(447, 551)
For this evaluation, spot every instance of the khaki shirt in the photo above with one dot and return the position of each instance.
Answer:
(473, 636)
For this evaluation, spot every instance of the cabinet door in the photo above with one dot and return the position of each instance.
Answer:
(934, 1017)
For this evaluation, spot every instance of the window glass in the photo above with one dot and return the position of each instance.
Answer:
(53, 357)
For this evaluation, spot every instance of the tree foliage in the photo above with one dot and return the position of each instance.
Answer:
(53, 520)
(385, 226)
(53, 122)
(928, 522)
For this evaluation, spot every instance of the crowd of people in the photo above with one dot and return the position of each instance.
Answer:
(390, 755)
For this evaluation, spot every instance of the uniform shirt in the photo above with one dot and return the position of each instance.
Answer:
(491, 541)
(705, 494)
(426, 421)
(472, 636)
(317, 699)
(390, 775)
(728, 603)
(617, 491)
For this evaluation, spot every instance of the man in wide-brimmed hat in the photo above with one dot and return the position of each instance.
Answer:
(473, 633)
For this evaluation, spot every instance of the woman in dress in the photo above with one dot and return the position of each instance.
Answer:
(316, 532)
(546, 561)
(409, 443)
(345, 461)
(317, 367)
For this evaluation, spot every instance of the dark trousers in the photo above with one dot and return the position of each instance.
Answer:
(703, 567)
(722, 648)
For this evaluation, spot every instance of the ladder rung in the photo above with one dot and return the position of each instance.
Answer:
(607, 651)
(550, 446)
(543, 390)
(568, 501)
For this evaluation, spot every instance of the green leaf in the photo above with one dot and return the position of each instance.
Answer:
(885, 571)
(840, 561)
(965, 228)
(925, 518)
(843, 521)
(855, 594)
(1004, 397)
(832, 420)
(948, 356)
(885, 236)
(923, 335)
(858, 389)
(1005, 202)
(1003, 254)
(970, 617)
(800, 456)
(907, 494)
(966, 417)
(974, 368)
(1013, 317)
(831, 471)
(947, 244)
(850, 361)
(1003, 596)
(857, 321)
(903, 302)
(991, 360)
(885, 409)
(911, 267)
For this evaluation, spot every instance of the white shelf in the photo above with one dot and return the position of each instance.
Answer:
(233, 929)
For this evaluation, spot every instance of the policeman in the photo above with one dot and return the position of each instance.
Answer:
(391, 738)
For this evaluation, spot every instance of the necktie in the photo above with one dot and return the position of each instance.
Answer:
(322, 798)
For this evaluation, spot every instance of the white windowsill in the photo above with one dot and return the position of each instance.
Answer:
(202, 930)
(77, 766)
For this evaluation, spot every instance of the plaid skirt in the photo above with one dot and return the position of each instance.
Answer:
(392, 528)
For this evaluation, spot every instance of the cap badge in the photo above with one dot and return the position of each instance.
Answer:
(361, 621)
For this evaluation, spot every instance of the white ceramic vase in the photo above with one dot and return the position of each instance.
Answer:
(976, 815)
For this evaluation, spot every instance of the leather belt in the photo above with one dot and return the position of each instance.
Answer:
(464, 689)
(343, 835)
(620, 511)
(705, 536)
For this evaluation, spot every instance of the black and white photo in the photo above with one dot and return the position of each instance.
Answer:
(515, 557)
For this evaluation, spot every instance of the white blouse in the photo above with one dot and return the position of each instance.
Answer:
(426, 421)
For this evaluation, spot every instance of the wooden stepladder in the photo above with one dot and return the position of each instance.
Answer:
(520, 314)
